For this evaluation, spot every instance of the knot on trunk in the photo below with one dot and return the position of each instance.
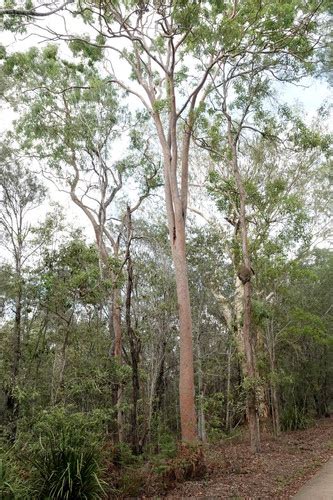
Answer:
(245, 274)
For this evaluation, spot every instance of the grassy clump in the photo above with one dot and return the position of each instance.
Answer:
(293, 419)
(66, 462)
(12, 482)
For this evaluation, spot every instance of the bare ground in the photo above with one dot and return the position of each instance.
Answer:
(279, 471)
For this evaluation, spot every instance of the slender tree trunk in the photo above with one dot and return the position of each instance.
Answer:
(276, 412)
(134, 343)
(186, 368)
(156, 392)
(274, 394)
(227, 416)
(117, 352)
(247, 358)
(12, 403)
(248, 339)
(59, 365)
(251, 374)
(116, 323)
(176, 204)
(201, 412)
(98, 224)
(17, 332)
(115, 328)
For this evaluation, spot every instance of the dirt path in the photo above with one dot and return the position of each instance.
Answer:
(279, 471)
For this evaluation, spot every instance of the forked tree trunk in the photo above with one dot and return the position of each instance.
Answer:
(98, 222)
(176, 204)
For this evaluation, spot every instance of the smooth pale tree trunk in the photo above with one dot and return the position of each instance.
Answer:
(186, 368)
(176, 205)
(59, 366)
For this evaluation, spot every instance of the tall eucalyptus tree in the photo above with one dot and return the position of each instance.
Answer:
(175, 52)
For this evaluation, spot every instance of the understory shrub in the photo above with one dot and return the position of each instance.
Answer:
(293, 418)
(12, 483)
(66, 462)
(188, 464)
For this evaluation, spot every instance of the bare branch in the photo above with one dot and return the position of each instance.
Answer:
(34, 12)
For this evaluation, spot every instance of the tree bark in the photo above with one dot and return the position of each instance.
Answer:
(249, 366)
(274, 393)
(59, 365)
(12, 403)
(134, 343)
(227, 416)
(176, 204)
(251, 373)
(186, 368)
(98, 224)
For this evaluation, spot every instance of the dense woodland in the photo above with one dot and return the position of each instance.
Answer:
(165, 267)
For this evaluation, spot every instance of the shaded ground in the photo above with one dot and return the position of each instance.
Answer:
(279, 471)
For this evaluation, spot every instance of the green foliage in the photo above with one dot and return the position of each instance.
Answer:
(66, 462)
(188, 464)
(73, 274)
(160, 105)
(260, 311)
(84, 117)
(132, 482)
(93, 52)
(12, 483)
(70, 118)
(294, 418)
(121, 455)
(224, 191)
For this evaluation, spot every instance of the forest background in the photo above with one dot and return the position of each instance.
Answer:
(190, 298)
